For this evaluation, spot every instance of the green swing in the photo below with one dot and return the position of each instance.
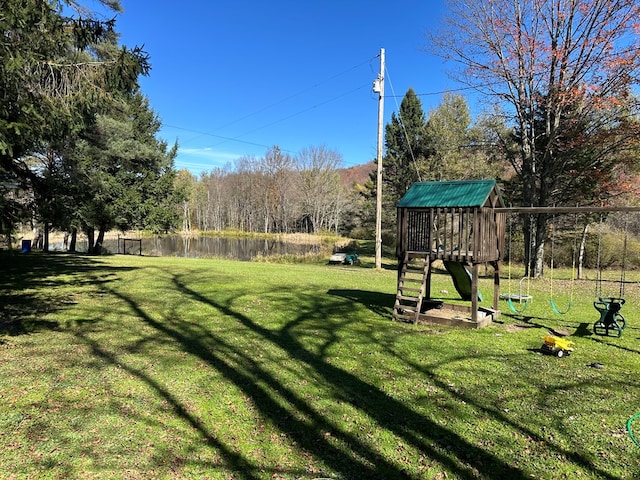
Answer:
(511, 298)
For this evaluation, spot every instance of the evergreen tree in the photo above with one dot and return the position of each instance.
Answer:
(47, 86)
(128, 172)
(406, 148)
(444, 147)
(455, 144)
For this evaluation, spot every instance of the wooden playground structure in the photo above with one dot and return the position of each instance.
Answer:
(456, 222)
(462, 224)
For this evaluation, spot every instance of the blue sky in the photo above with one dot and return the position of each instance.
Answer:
(231, 78)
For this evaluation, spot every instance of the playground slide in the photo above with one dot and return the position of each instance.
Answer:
(461, 279)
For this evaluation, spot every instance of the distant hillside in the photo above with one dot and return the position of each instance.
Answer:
(356, 174)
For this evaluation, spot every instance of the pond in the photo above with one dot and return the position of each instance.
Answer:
(202, 247)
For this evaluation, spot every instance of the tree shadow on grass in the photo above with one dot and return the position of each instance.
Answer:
(24, 270)
(301, 421)
(530, 321)
(30, 288)
(379, 303)
(612, 344)
(307, 426)
(297, 419)
(493, 411)
(233, 460)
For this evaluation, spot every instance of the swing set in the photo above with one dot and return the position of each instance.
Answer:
(526, 297)
(611, 322)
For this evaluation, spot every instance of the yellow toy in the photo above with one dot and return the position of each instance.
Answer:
(556, 346)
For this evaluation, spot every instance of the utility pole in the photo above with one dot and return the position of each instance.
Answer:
(378, 87)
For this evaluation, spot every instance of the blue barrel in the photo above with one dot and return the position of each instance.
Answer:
(26, 246)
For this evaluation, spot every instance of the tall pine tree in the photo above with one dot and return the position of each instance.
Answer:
(406, 148)
(402, 164)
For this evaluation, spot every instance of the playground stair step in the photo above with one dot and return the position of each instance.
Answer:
(412, 290)
(409, 299)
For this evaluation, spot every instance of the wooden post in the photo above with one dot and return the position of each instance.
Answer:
(427, 282)
(475, 269)
(496, 288)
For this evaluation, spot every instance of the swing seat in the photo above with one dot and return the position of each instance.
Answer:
(516, 297)
(520, 298)
(557, 310)
(611, 322)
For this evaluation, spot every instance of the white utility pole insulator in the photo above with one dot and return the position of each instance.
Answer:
(378, 87)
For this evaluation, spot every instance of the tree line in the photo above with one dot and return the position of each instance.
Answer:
(561, 127)
(276, 193)
(280, 193)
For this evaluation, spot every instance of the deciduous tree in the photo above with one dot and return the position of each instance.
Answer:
(321, 192)
(277, 189)
(456, 147)
(563, 71)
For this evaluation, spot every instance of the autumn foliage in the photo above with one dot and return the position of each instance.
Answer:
(562, 72)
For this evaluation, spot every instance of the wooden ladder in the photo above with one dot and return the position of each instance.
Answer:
(411, 289)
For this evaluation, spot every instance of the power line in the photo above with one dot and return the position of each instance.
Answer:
(299, 112)
(208, 134)
(450, 90)
(300, 92)
(441, 92)
(237, 138)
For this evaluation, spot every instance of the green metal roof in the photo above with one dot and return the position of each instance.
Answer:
(454, 193)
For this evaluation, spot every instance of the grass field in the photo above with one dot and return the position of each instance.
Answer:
(139, 368)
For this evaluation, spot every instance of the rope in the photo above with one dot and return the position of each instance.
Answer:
(552, 302)
(624, 256)
(629, 422)
(624, 260)
(512, 305)
(598, 263)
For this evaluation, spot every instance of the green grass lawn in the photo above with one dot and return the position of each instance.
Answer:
(139, 368)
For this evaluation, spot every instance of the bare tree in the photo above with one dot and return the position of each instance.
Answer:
(246, 196)
(186, 182)
(562, 70)
(276, 187)
(319, 186)
(277, 193)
